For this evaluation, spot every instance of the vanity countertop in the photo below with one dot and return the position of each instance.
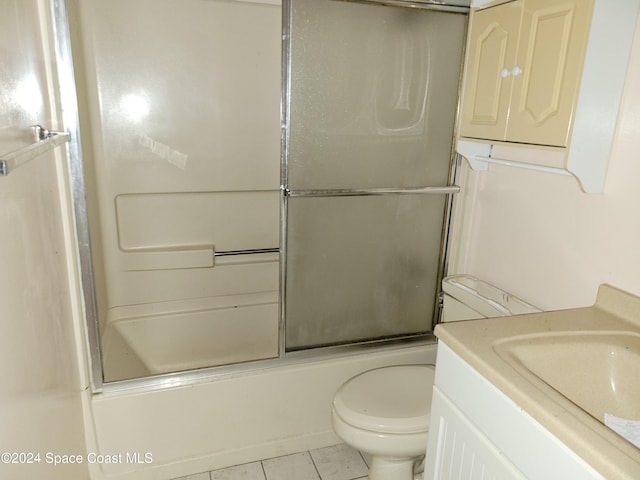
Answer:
(614, 313)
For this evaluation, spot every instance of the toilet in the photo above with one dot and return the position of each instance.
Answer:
(385, 412)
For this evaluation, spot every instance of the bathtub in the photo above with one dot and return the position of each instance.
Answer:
(274, 408)
(164, 337)
(213, 418)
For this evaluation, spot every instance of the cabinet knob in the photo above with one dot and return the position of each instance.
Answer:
(505, 72)
(515, 71)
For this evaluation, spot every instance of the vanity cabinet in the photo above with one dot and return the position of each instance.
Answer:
(543, 83)
(523, 70)
(477, 432)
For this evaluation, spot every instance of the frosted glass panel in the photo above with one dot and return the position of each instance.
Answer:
(373, 98)
(373, 94)
(361, 267)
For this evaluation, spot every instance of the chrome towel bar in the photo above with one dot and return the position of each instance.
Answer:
(371, 191)
(46, 141)
(228, 253)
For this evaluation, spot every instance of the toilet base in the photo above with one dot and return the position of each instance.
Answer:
(393, 457)
(389, 468)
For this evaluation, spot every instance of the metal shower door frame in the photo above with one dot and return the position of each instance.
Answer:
(457, 6)
(69, 99)
(71, 122)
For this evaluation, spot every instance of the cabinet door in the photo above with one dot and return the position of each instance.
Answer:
(551, 51)
(457, 449)
(493, 43)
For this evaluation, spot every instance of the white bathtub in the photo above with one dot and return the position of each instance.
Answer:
(231, 418)
(149, 339)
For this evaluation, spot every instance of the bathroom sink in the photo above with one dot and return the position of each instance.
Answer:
(599, 371)
(574, 373)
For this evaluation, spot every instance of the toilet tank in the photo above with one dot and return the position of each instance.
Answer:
(467, 298)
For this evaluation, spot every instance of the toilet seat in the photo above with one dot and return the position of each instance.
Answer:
(394, 400)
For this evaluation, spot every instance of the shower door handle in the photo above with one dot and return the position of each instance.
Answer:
(356, 192)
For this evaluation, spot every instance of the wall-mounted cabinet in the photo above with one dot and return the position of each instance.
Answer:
(524, 67)
(543, 83)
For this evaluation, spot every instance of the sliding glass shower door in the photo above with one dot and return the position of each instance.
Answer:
(372, 104)
(181, 139)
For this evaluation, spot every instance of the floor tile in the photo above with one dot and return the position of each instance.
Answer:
(291, 467)
(248, 471)
(340, 462)
(197, 476)
(367, 458)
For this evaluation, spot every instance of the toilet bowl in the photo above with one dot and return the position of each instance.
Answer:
(385, 412)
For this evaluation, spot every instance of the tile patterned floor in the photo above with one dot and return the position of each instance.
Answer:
(339, 462)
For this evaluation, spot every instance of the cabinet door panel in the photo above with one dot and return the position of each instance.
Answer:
(552, 46)
(458, 449)
(493, 41)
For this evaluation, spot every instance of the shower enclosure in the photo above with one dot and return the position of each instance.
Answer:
(262, 179)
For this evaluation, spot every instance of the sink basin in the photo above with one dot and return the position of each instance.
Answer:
(598, 371)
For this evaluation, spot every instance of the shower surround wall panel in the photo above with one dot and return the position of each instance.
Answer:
(182, 132)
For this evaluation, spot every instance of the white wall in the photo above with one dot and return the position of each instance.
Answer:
(40, 403)
(538, 236)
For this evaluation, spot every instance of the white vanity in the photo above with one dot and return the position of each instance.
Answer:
(526, 396)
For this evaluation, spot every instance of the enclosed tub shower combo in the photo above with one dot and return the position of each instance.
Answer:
(262, 199)
(278, 196)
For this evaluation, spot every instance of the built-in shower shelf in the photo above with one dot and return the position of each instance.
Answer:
(170, 258)
(46, 141)
(193, 256)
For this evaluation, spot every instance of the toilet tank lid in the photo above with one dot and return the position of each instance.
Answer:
(486, 299)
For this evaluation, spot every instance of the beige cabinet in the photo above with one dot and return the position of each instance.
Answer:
(523, 71)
